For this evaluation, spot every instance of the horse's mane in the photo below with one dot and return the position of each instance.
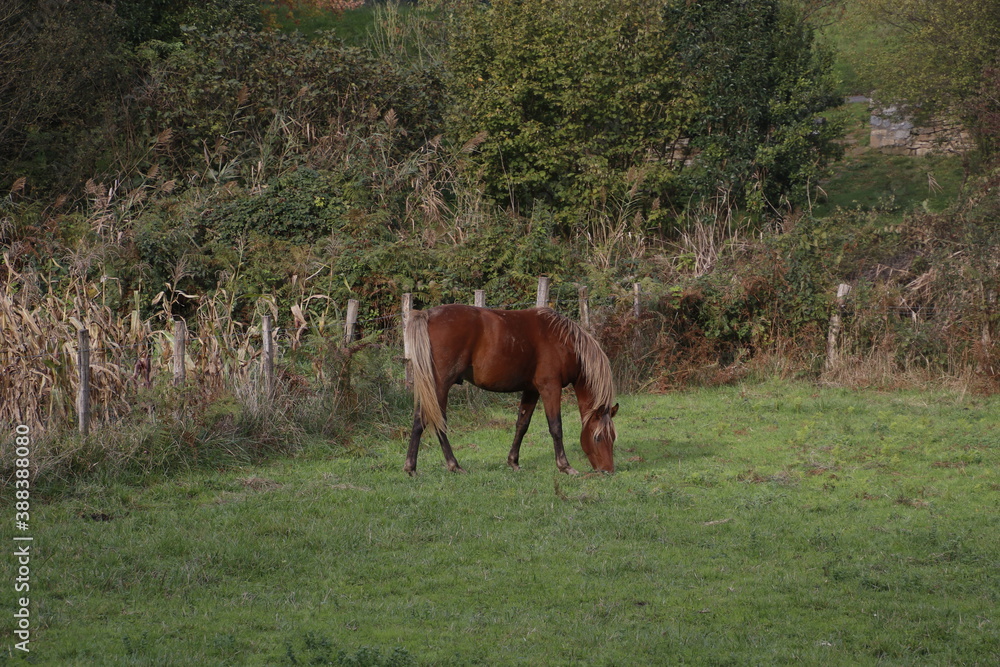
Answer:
(594, 363)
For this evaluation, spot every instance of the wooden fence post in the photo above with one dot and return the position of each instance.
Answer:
(990, 300)
(180, 340)
(584, 308)
(636, 310)
(352, 320)
(268, 360)
(83, 398)
(480, 298)
(542, 299)
(407, 308)
(836, 323)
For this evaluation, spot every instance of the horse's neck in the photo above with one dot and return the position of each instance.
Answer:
(584, 396)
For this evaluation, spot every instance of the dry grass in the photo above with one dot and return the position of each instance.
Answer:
(615, 230)
(129, 353)
(39, 355)
(707, 231)
(141, 423)
(880, 369)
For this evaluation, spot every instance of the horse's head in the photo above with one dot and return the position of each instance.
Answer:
(598, 438)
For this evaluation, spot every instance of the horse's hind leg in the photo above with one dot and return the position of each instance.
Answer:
(449, 456)
(528, 401)
(411, 453)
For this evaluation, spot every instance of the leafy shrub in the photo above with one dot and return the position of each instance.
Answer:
(300, 206)
(165, 20)
(231, 95)
(506, 255)
(62, 74)
(758, 126)
(356, 253)
(983, 112)
(572, 95)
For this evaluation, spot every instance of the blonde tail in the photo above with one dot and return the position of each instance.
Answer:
(424, 389)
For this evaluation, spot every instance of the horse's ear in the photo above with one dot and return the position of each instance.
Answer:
(613, 411)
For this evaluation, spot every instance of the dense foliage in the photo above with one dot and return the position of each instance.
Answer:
(935, 52)
(234, 95)
(571, 95)
(166, 20)
(759, 128)
(584, 101)
(62, 73)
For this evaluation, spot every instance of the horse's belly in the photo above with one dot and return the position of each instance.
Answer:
(498, 378)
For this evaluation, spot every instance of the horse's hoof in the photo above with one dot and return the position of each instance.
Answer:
(569, 470)
(412, 472)
(456, 468)
(513, 466)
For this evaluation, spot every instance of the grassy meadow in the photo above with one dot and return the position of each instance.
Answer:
(893, 185)
(854, 39)
(757, 524)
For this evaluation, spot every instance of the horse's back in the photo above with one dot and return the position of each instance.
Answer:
(498, 350)
(505, 331)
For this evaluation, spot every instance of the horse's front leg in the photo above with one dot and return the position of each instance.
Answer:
(529, 399)
(552, 398)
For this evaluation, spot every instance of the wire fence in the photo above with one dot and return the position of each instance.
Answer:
(44, 381)
(86, 367)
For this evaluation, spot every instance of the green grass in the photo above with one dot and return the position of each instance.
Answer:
(756, 525)
(853, 38)
(893, 184)
(351, 26)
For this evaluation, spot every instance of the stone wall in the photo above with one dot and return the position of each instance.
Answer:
(894, 133)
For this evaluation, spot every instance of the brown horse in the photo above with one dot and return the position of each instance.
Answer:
(536, 352)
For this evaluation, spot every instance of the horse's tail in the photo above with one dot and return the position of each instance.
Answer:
(425, 399)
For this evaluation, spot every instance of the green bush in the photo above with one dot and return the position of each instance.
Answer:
(759, 129)
(571, 94)
(300, 206)
(165, 20)
(62, 76)
(353, 251)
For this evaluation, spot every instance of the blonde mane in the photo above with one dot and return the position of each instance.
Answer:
(594, 364)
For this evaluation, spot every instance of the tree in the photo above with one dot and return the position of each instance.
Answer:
(144, 20)
(935, 53)
(982, 112)
(586, 100)
(760, 129)
(13, 38)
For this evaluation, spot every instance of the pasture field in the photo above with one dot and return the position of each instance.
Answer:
(760, 524)
(891, 184)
